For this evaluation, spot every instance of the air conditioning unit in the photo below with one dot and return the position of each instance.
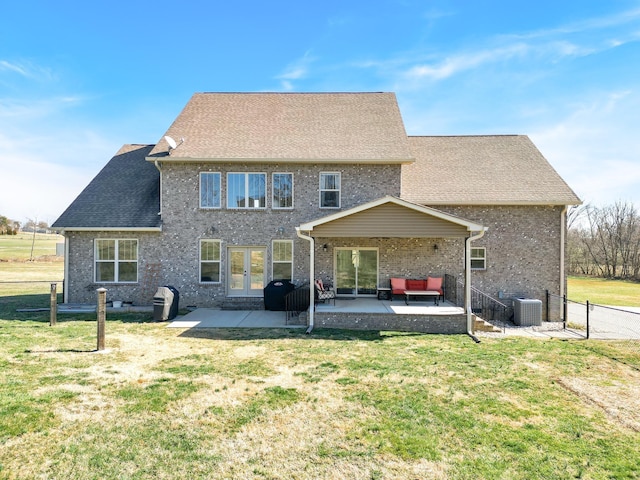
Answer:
(527, 311)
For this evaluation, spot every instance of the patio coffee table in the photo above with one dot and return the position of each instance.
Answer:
(421, 293)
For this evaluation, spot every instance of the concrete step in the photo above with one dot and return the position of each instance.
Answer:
(479, 325)
(242, 303)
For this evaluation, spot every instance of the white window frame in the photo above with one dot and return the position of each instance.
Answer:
(273, 190)
(116, 261)
(218, 261)
(478, 258)
(219, 175)
(246, 191)
(281, 262)
(323, 190)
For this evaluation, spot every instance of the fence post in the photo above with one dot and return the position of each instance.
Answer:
(587, 319)
(102, 314)
(564, 312)
(53, 303)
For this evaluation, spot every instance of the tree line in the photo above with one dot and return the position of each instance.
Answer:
(8, 226)
(604, 241)
(12, 227)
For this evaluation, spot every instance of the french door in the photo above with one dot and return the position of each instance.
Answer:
(356, 271)
(246, 271)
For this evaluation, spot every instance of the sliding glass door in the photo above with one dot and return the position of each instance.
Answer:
(356, 271)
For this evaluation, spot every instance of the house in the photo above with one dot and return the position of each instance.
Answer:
(244, 188)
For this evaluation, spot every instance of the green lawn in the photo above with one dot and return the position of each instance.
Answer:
(603, 291)
(18, 247)
(166, 403)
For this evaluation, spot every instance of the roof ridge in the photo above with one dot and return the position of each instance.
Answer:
(470, 135)
(292, 93)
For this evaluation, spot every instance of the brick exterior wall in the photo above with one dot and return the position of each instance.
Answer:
(523, 251)
(80, 286)
(176, 249)
(523, 255)
(442, 324)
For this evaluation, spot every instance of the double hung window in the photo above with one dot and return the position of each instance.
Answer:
(282, 258)
(209, 261)
(116, 261)
(329, 190)
(479, 258)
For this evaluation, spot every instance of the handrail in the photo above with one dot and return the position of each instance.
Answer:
(483, 305)
(297, 301)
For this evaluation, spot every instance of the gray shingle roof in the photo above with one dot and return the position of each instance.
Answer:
(297, 126)
(125, 194)
(482, 170)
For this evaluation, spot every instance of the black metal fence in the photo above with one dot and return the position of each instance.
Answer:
(596, 321)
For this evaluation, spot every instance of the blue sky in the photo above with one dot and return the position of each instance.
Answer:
(79, 79)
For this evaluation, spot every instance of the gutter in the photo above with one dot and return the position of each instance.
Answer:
(109, 229)
(311, 275)
(467, 283)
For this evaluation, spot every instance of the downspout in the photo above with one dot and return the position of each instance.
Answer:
(311, 275)
(467, 282)
(159, 167)
(563, 228)
(65, 286)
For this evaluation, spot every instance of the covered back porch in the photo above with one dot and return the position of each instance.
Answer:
(359, 250)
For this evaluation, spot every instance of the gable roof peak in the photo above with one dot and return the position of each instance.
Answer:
(284, 126)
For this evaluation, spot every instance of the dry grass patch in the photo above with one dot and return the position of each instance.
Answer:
(165, 403)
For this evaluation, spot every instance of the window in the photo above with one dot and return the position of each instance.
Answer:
(209, 190)
(282, 190)
(329, 190)
(210, 261)
(116, 261)
(479, 258)
(246, 190)
(282, 258)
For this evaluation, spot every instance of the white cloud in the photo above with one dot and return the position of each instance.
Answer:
(12, 67)
(595, 148)
(38, 189)
(457, 63)
(46, 158)
(296, 70)
(27, 70)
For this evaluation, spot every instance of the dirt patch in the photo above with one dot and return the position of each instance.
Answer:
(619, 400)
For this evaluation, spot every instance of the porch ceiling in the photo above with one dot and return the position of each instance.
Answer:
(391, 217)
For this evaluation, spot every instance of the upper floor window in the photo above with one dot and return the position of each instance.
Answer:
(479, 258)
(329, 190)
(246, 190)
(210, 261)
(209, 190)
(116, 261)
(282, 190)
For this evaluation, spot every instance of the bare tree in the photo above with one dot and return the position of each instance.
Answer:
(611, 240)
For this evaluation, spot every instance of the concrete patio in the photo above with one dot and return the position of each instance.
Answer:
(216, 318)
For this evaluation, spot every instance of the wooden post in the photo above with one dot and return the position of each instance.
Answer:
(102, 314)
(53, 317)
